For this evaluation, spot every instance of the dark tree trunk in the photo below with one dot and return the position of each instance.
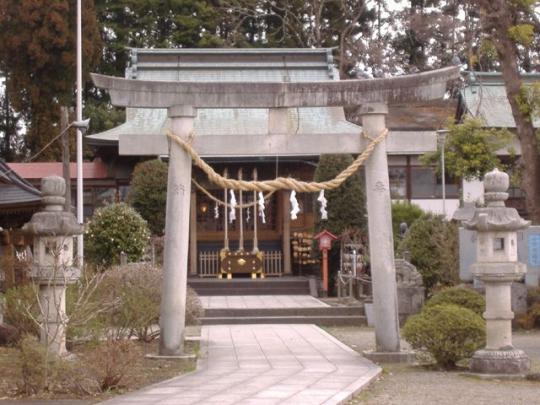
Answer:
(497, 19)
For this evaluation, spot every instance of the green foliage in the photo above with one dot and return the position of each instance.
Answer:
(403, 211)
(448, 332)
(433, 245)
(148, 193)
(462, 296)
(470, 149)
(21, 309)
(522, 34)
(346, 204)
(114, 229)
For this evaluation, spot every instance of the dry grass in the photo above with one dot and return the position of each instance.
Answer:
(142, 372)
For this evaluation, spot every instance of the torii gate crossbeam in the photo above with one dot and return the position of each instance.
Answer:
(183, 98)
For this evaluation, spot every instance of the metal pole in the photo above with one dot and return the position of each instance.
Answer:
(80, 219)
(441, 135)
(255, 216)
(241, 212)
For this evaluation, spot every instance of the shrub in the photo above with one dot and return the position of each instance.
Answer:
(448, 332)
(434, 249)
(403, 211)
(462, 296)
(42, 371)
(148, 193)
(21, 309)
(531, 319)
(135, 290)
(109, 362)
(114, 229)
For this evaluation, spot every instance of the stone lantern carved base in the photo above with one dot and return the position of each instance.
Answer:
(510, 361)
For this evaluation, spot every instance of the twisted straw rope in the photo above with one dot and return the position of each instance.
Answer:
(220, 202)
(280, 183)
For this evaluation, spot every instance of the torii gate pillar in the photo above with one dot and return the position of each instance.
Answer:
(381, 243)
(175, 263)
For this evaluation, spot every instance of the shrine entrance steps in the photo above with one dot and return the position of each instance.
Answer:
(246, 286)
(280, 309)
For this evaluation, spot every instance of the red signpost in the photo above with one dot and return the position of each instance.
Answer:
(325, 239)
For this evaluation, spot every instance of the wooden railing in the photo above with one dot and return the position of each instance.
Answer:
(273, 263)
(209, 263)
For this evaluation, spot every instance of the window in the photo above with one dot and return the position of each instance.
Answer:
(426, 184)
(398, 182)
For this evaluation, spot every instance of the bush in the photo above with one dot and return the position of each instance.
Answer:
(114, 229)
(21, 309)
(42, 371)
(148, 193)
(109, 362)
(135, 290)
(433, 245)
(403, 211)
(461, 296)
(531, 319)
(448, 332)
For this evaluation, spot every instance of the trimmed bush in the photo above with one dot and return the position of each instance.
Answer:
(114, 229)
(448, 332)
(148, 193)
(403, 211)
(462, 296)
(433, 245)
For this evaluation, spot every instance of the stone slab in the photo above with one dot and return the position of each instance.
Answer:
(260, 301)
(265, 364)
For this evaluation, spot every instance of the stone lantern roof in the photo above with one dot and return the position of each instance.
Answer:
(53, 220)
(496, 216)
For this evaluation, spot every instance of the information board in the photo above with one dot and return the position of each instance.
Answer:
(534, 249)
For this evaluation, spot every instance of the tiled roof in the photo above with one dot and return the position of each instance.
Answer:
(485, 97)
(14, 190)
(36, 170)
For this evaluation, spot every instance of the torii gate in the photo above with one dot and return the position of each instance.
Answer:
(182, 99)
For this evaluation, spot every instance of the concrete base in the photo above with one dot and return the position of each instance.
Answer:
(403, 357)
(179, 357)
(501, 362)
(503, 377)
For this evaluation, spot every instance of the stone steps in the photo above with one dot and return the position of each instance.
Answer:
(322, 316)
(345, 320)
(246, 286)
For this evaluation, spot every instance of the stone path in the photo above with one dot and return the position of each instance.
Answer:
(264, 364)
(260, 301)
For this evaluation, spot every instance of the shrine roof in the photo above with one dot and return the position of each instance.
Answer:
(484, 96)
(214, 65)
(14, 190)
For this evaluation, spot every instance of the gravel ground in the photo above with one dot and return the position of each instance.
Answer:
(403, 385)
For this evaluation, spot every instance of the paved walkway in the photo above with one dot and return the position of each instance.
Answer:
(264, 364)
(260, 301)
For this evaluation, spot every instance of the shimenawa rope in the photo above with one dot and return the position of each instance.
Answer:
(280, 183)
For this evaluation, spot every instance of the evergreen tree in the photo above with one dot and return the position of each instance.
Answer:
(37, 53)
(346, 204)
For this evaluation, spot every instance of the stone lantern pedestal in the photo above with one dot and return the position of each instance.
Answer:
(497, 267)
(52, 267)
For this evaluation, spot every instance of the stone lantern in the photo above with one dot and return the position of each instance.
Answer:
(52, 267)
(497, 267)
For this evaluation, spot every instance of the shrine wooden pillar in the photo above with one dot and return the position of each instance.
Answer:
(193, 234)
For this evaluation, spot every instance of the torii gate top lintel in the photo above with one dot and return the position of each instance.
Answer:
(418, 87)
